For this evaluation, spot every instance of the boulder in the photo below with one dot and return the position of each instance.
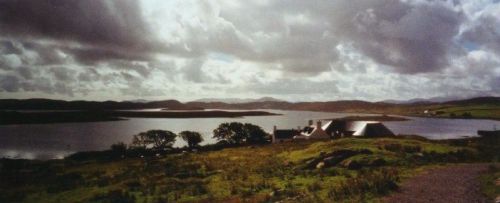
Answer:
(320, 165)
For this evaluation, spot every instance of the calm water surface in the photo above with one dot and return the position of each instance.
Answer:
(48, 141)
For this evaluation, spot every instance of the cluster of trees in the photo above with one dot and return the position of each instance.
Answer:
(233, 133)
(162, 140)
(239, 133)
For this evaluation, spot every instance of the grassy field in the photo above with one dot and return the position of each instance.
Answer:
(467, 111)
(490, 182)
(347, 169)
(485, 111)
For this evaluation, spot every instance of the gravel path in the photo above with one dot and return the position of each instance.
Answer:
(450, 184)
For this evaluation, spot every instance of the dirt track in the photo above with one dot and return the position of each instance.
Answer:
(450, 184)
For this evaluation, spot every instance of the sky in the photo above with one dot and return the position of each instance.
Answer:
(295, 50)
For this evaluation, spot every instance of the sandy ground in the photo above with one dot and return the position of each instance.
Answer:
(458, 183)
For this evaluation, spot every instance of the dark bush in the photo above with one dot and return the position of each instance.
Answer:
(65, 182)
(393, 147)
(114, 196)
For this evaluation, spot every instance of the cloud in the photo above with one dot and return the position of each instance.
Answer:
(9, 83)
(485, 32)
(111, 23)
(291, 49)
(295, 87)
(410, 37)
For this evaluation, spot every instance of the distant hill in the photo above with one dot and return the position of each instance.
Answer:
(48, 104)
(424, 101)
(138, 101)
(237, 100)
(476, 101)
(474, 106)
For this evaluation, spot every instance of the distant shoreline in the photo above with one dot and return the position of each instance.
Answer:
(371, 118)
(19, 118)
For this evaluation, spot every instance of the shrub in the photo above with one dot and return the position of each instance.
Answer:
(65, 182)
(118, 149)
(113, 196)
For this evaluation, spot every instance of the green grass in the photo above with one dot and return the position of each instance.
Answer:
(490, 182)
(487, 111)
(256, 174)
(476, 111)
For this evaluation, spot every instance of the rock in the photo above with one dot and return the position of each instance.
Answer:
(320, 165)
(333, 158)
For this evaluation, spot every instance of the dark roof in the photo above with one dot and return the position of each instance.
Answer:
(337, 125)
(487, 133)
(376, 130)
(307, 129)
(285, 134)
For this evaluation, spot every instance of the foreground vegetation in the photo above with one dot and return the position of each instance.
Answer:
(349, 169)
(490, 183)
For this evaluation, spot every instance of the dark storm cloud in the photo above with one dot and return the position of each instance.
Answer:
(88, 31)
(410, 37)
(92, 56)
(107, 23)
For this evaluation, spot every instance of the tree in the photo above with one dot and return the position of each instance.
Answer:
(159, 139)
(191, 137)
(237, 133)
(119, 147)
(255, 134)
(232, 132)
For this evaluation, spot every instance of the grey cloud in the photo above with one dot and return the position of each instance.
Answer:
(90, 74)
(141, 68)
(72, 47)
(9, 83)
(485, 32)
(88, 31)
(412, 38)
(294, 86)
(193, 72)
(8, 47)
(63, 74)
(409, 36)
(111, 23)
(25, 72)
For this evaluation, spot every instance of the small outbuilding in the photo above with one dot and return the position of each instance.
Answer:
(284, 135)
